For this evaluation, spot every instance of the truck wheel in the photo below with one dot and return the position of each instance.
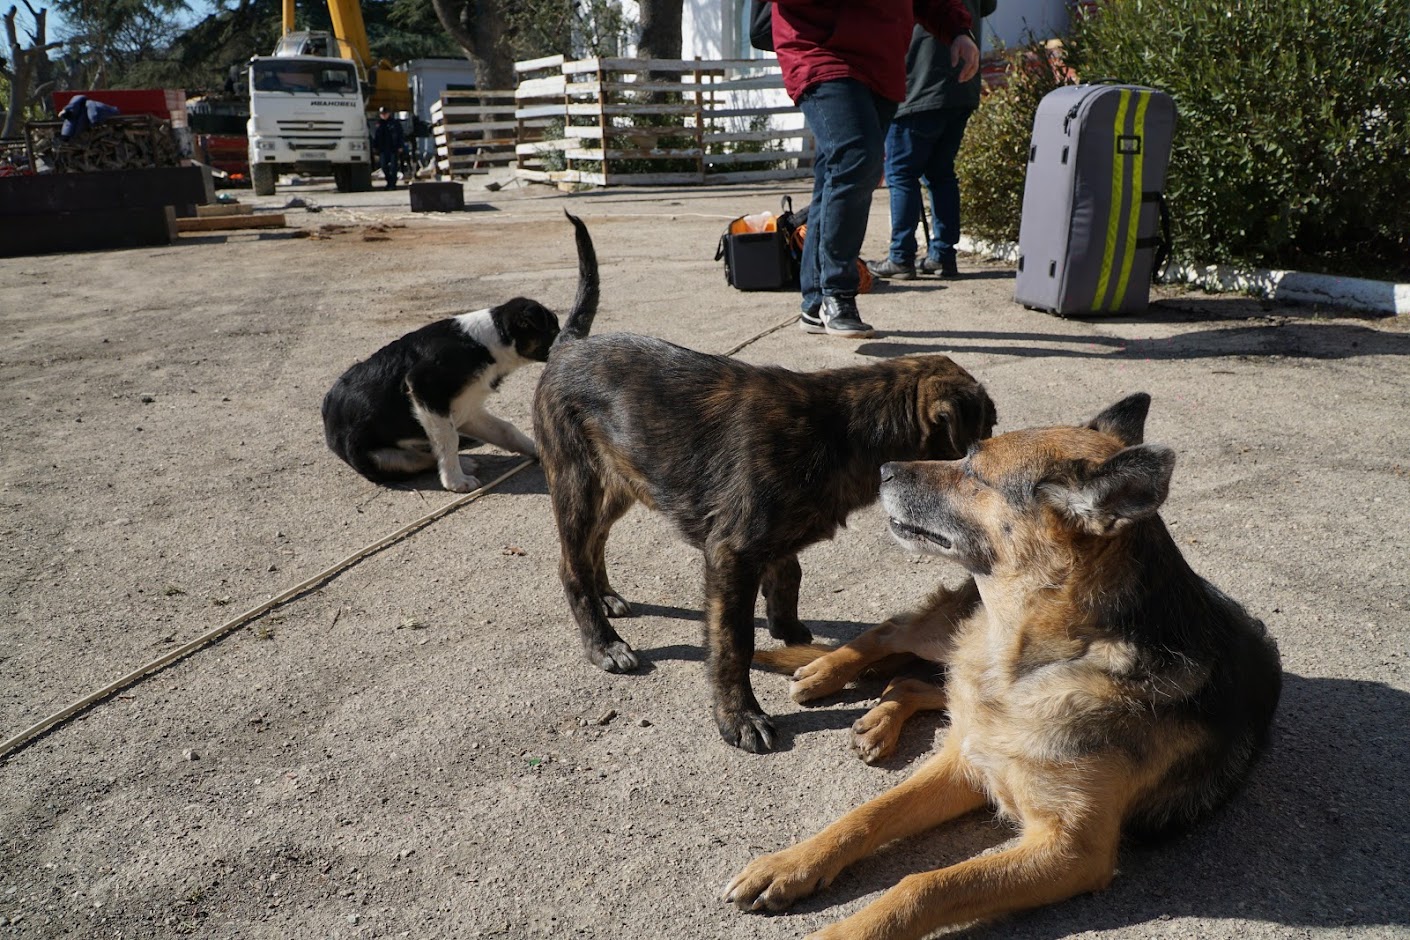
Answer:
(262, 174)
(360, 178)
(342, 177)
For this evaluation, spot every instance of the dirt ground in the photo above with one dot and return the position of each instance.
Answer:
(418, 748)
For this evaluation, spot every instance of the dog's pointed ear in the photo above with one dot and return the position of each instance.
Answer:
(1125, 420)
(1131, 485)
(959, 418)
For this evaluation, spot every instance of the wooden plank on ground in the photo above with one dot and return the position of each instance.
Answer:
(225, 223)
(222, 209)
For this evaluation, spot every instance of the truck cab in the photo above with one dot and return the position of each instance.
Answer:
(307, 116)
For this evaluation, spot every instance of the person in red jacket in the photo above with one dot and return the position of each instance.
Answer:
(844, 65)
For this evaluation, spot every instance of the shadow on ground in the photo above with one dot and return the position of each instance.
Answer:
(529, 481)
(1318, 838)
(1299, 340)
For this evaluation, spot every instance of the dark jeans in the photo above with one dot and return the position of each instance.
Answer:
(848, 122)
(921, 147)
(389, 165)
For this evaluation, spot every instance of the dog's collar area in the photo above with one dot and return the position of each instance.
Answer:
(909, 531)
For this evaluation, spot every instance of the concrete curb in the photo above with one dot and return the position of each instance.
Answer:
(1353, 293)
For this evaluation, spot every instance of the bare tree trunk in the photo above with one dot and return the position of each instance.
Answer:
(26, 65)
(660, 29)
(477, 26)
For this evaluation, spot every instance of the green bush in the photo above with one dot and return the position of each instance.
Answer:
(1292, 145)
(994, 156)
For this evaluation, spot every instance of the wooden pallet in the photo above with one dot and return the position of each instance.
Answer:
(648, 122)
(474, 131)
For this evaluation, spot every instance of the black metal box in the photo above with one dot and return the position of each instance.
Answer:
(438, 197)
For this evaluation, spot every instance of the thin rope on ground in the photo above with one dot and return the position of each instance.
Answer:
(18, 741)
(205, 639)
(758, 336)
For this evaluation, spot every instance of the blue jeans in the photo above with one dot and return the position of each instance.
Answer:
(921, 147)
(848, 121)
(388, 159)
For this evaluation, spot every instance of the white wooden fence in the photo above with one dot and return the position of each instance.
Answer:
(624, 122)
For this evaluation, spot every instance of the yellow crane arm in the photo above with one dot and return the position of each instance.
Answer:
(350, 30)
(389, 87)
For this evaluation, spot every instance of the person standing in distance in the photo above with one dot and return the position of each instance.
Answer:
(921, 147)
(388, 137)
(844, 65)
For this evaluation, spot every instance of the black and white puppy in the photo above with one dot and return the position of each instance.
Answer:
(405, 408)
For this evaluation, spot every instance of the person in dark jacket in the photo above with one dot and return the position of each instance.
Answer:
(388, 138)
(844, 65)
(920, 149)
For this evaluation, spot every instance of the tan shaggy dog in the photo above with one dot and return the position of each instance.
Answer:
(1096, 685)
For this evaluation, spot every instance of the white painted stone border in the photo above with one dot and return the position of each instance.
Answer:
(1353, 293)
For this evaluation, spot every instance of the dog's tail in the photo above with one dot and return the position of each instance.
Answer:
(585, 304)
(788, 659)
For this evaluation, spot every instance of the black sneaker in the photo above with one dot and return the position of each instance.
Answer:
(838, 316)
(811, 322)
(945, 267)
(892, 269)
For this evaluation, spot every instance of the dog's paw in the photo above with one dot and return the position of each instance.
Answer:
(773, 882)
(791, 632)
(461, 484)
(816, 680)
(614, 606)
(874, 735)
(614, 657)
(749, 731)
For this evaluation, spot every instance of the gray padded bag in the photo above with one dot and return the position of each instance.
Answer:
(1093, 199)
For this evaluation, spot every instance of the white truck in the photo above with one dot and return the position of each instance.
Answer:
(307, 116)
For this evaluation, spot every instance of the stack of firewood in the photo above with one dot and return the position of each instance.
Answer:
(126, 142)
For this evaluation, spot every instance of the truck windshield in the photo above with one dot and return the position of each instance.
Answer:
(317, 78)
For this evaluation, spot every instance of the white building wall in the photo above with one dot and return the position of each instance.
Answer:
(703, 29)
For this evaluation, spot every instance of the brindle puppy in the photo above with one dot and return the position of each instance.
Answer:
(752, 464)
(1096, 684)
